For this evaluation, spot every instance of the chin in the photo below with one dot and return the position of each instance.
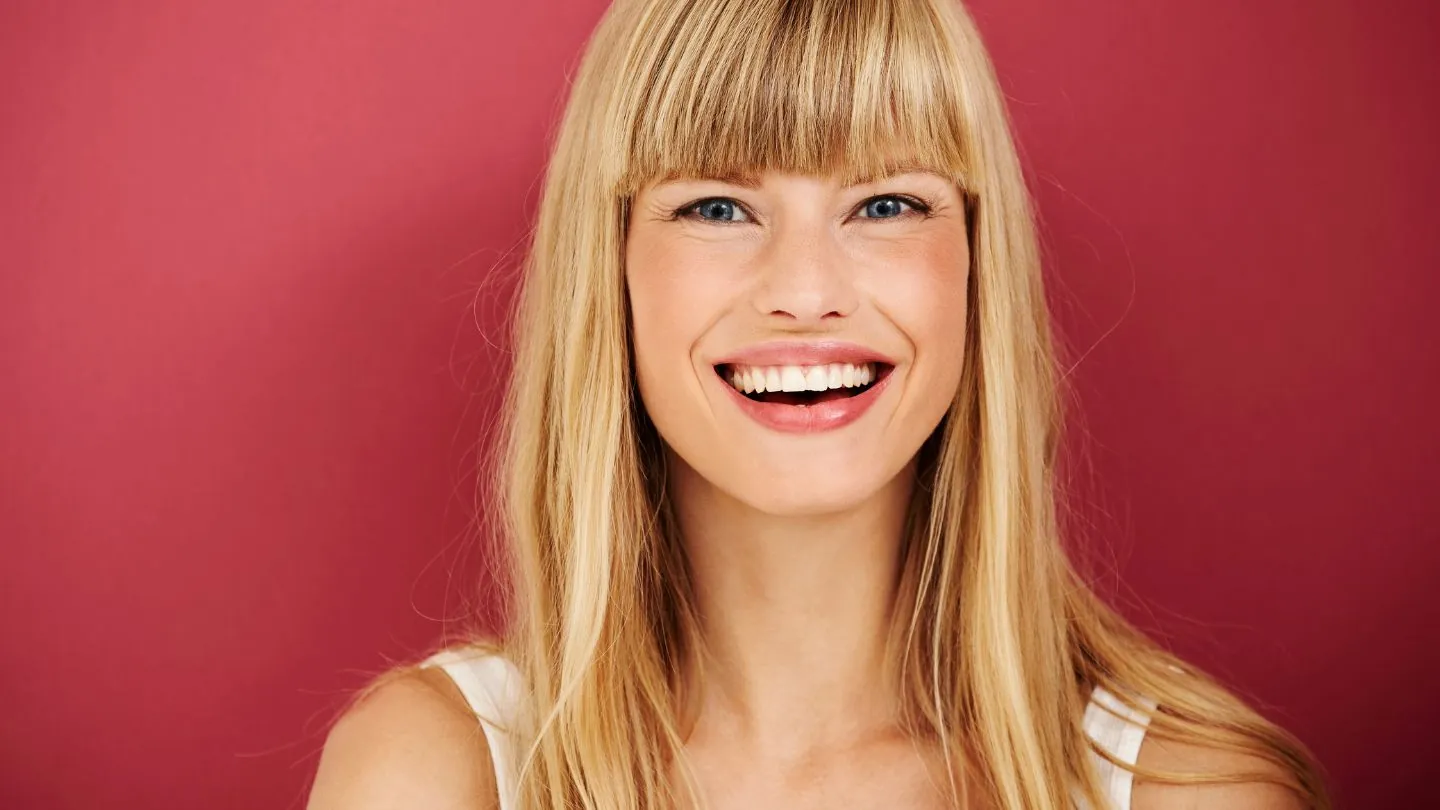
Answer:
(783, 477)
(807, 493)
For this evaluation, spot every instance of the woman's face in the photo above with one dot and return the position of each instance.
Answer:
(846, 305)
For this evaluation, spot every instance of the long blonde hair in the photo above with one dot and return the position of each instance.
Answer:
(999, 640)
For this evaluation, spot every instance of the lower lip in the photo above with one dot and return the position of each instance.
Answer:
(822, 416)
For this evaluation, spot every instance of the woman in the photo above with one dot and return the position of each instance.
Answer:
(779, 468)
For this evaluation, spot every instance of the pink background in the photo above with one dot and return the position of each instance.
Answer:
(241, 378)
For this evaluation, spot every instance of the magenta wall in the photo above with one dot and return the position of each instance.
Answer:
(240, 382)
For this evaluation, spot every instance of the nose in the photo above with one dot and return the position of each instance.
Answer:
(804, 277)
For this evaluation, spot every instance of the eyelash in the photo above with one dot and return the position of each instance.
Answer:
(690, 210)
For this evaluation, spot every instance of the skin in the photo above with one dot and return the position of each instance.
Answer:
(793, 538)
(800, 705)
(796, 258)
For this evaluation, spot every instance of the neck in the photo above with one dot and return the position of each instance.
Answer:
(794, 616)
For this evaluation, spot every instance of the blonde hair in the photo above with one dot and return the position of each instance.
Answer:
(998, 639)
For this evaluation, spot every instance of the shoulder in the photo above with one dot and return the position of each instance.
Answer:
(1170, 756)
(410, 741)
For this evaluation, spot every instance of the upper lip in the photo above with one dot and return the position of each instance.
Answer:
(803, 353)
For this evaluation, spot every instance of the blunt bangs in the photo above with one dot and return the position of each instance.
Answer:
(734, 88)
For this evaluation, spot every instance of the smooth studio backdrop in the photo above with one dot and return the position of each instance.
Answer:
(254, 260)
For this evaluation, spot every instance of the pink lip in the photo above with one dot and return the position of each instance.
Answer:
(815, 418)
(798, 353)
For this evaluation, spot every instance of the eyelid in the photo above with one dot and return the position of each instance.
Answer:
(687, 211)
(918, 205)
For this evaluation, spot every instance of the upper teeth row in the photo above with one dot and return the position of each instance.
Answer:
(759, 379)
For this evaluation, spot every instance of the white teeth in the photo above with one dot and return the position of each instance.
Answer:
(817, 378)
(791, 379)
(758, 379)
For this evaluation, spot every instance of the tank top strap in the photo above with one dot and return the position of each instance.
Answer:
(492, 686)
(1119, 730)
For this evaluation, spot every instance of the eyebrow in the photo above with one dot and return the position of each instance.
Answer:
(734, 178)
(891, 170)
(751, 181)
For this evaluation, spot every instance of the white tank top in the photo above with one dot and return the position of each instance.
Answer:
(492, 687)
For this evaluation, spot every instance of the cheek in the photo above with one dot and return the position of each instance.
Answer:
(674, 295)
(924, 295)
(657, 298)
(921, 287)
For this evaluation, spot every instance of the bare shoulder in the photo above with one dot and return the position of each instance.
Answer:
(1175, 757)
(412, 742)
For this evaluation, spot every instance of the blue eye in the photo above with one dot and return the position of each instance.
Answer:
(718, 209)
(885, 207)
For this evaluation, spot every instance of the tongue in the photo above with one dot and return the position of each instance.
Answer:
(804, 397)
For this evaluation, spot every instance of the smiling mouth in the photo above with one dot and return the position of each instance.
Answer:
(803, 385)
